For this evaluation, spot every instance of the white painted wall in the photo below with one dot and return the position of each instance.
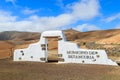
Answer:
(34, 52)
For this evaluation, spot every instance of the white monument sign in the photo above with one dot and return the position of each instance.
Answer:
(54, 47)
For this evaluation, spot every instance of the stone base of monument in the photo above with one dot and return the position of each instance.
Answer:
(53, 47)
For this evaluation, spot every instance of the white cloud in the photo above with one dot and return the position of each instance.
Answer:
(82, 10)
(35, 23)
(29, 11)
(6, 17)
(112, 18)
(86, 27)
(85, 9)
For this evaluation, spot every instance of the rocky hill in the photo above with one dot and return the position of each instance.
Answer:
(101, 36)
(16, 35)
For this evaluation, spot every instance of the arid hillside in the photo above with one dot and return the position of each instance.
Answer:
(108, 40)
(94, 36)
(16, 35)
(103, 36)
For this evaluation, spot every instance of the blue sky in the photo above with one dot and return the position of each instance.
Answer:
(41, 15)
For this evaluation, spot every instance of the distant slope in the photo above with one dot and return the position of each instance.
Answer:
(15, 35)
(93, 36)
(71, 35)
(111, 40)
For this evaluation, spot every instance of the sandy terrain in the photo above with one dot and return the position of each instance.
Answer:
(6, 49)
(10, 70)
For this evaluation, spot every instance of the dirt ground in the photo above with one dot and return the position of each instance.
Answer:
(10, 70)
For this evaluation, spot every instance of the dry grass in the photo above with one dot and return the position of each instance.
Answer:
(10, 70)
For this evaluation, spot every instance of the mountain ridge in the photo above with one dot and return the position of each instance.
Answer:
(71, 35)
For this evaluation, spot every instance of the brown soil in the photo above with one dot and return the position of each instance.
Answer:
(112, 40)
(5, 53)
(6, 45)
(10, 70)
(6, 49)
